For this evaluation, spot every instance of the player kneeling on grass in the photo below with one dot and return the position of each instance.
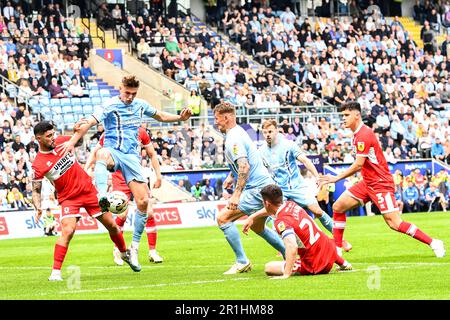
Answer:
(308, 249)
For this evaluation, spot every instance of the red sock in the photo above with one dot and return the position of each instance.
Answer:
(339, 222)
(339, 260)
(119, 241)
(58, 256)
(120, 222)
(152, 233)
(411, 230)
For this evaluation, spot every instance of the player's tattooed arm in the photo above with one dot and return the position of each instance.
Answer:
(243, 173)
(36, 197)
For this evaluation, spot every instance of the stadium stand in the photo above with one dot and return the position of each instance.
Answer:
(269, 63)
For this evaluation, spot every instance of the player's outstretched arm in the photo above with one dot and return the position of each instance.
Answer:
(36, 186)
(83, 128)
(243, 173)
(249, 221)
(309, 165)
(291, 255)
(155, 164)
(169, 117)
(91, 159)
(354, 168)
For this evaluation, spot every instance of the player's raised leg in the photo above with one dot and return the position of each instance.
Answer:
(344, 203)
(394, 221)
(225, 220)
(68, 226)
(104, 161)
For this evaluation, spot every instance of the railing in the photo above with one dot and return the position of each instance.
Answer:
(4, 82)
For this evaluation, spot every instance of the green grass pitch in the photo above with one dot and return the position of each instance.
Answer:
(388, 265)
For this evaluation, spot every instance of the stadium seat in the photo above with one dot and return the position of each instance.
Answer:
(77, 109)
(57, 118)
(85, 100)
(91, 85)
(65, 102)
(34, 104)
(67, 109)
(68, 118)
(85, 92)
(105, 92)
(44, 101)
(55, 102)
(45, 110)
(75, 101)
(94, 93)
(96, 100)
(88, 108)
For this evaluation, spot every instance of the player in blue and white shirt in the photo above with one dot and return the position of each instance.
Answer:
(250, 174)
(280, 157)
(122, 116)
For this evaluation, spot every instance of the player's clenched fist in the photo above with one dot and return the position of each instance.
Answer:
(185, 114)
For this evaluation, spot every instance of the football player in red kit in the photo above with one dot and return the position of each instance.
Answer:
(308, 249)
(119, 184)
(377, 184)
(74, 190)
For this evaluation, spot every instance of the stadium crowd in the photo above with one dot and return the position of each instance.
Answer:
(402, 89)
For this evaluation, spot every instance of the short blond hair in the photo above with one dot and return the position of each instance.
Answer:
(130, 82)
(270, 122)
(225, 107)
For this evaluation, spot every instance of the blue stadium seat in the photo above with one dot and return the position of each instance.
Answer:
(85, 100)
(44, 101)
(65, 102)
(68, 118)
(66, 109)
(34, 104)
(96, 100)
(91, 85)
(56, 109)
(55, 102)
(45, 110)
(77, 109)
(75, 101)
(88, 108)
(94, 93)
(105, 92)
(57, 118)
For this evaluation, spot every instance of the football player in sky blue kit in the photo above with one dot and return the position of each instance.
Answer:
(122, 116)
(280, 157)
(248, 170)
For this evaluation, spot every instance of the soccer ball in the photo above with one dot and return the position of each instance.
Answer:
(118, 202)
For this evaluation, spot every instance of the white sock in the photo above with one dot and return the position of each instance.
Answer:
(135, 244)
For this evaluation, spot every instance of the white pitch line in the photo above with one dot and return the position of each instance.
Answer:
(153, 285)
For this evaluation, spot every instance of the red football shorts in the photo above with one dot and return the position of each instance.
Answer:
(381, 195)
(89, 201)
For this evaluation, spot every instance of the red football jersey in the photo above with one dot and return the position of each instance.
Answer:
(69, 178)
(375, 168)
(143, 138)
(315, 249)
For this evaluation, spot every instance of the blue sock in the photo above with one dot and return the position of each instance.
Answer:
(101, 177)
(233, 238)
(140, 220)
(273, 239)
(326, 221)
